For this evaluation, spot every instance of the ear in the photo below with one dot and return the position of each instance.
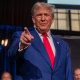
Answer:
(33, 19)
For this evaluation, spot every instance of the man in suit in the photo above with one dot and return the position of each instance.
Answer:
(41, 55)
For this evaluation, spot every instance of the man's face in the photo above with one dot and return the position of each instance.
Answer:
(42, 19)
(6, 76)
(77, 74)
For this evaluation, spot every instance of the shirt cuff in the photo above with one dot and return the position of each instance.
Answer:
(19, 50)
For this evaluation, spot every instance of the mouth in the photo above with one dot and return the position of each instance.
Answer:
(43, 24)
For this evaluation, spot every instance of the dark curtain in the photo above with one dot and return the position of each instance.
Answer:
(16, 12)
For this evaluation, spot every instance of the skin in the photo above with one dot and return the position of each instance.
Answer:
(6, 76)
(42, 19)
(77, 74)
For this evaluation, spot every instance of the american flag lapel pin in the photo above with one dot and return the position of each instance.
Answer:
(57, 42)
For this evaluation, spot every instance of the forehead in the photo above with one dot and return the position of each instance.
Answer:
(77, 71)
(6, 74)
(42, 10)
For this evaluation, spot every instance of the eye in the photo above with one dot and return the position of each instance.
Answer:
(46, 14)
(38, 15)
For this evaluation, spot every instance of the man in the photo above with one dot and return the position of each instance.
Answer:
(41, 55)
(77, 74)
(6, 76)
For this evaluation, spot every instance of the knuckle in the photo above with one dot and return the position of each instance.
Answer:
(22, 33)
(20, 39)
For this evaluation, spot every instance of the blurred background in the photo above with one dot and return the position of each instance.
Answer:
(16, 14)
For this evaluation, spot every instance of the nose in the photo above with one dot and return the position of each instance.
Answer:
(42, 18)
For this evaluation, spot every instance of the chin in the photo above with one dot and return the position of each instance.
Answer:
(44, 30)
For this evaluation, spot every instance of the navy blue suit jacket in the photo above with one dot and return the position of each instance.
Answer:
(33, 63)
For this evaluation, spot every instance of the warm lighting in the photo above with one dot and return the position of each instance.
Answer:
(6, 42)
(2, 42)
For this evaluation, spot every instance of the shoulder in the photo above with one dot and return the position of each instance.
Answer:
(18, 33)
(58, 39)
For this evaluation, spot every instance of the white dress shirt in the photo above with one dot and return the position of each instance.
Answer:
(50, 40)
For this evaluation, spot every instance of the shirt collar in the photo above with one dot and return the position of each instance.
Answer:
(48, 33)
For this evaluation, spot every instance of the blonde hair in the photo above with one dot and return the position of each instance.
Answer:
(42, 5)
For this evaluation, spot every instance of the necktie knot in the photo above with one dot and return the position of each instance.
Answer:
(44, 35)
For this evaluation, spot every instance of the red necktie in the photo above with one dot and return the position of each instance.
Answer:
(48, 48)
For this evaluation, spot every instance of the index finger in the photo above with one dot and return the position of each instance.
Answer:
(26, 30)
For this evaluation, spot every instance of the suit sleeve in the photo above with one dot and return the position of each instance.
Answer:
(69, 71)
(15, 44)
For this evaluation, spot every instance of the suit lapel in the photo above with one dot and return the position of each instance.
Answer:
(39, 46)
(58, 52)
